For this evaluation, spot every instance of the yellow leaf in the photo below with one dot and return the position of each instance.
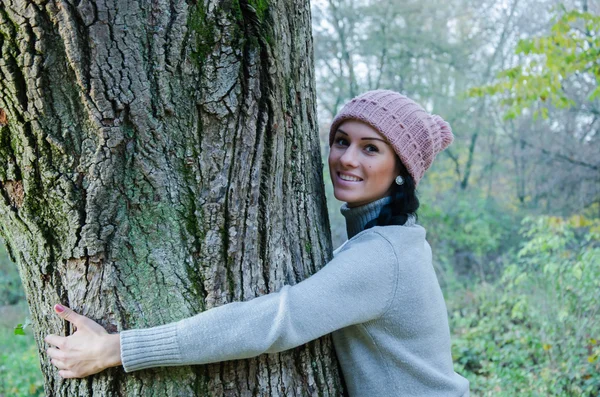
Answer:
(592, 358)
(547, 346)
(579, 221)
(554, 221)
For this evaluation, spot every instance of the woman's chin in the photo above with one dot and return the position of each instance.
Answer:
(345, 197)
(338, 195)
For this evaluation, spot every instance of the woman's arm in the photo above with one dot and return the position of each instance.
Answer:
(356, 286)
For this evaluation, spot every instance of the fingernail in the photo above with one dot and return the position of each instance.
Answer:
(59, 308)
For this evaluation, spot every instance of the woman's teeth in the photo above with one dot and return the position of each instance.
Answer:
(349, 178)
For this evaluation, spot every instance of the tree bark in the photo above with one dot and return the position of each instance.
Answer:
(158, 159)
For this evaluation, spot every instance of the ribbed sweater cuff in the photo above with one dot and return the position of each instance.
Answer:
(150, 347)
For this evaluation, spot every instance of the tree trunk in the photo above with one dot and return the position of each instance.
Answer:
(158, 159)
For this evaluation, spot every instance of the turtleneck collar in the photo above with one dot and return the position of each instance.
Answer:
(358, 217)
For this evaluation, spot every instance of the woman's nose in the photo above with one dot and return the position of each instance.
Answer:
(349, 158)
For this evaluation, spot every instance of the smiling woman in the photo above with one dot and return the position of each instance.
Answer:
(379, 295)
(363, 165)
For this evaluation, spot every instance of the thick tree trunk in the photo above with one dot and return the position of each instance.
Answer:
(158, 159)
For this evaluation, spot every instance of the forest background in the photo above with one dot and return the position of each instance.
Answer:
(512, 208)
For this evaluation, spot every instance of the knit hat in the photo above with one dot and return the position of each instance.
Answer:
(416, 136)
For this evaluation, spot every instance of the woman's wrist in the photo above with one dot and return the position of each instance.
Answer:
(112, 354)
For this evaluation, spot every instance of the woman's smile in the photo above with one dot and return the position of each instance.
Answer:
(346, 177)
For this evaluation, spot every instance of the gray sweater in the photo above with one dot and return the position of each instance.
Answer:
(379, 297)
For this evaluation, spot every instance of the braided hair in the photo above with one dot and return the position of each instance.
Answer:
(403, 204)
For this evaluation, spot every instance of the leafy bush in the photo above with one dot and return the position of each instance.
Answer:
(536, 332)
(469, 235)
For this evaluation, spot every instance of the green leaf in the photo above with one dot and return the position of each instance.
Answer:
(19, 330)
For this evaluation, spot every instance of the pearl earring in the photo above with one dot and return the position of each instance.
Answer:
(399, 180)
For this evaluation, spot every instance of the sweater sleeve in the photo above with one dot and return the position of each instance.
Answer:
(354, 287)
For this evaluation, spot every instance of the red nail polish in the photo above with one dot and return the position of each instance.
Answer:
(59, 308)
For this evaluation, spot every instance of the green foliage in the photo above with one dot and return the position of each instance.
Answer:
(571, 48)
(19, 362)
(19, 366)
(470, 227)
(536, 331)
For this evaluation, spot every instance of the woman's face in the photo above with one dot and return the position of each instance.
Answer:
(362, 164)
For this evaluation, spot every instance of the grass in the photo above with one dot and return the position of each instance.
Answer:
(20, 373)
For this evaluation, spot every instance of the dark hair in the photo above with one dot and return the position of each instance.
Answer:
(404, 203)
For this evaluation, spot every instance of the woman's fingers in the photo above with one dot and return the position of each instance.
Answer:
(65, 364)
(58, 341)
(67, 314)
(58, 364)
(55, 353)
(78, 320)
(66, 374)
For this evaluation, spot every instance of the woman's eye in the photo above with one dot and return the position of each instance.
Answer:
(371, 148)
(341, 141)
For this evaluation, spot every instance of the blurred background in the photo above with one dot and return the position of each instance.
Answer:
(20, 373)
(511, 209)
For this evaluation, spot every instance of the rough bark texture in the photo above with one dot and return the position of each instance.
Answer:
(159, 158)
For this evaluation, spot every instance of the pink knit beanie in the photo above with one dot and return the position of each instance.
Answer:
(416, 136)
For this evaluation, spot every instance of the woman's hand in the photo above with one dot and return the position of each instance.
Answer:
(88, 351)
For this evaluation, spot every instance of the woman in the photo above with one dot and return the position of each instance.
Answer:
(379, 296)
